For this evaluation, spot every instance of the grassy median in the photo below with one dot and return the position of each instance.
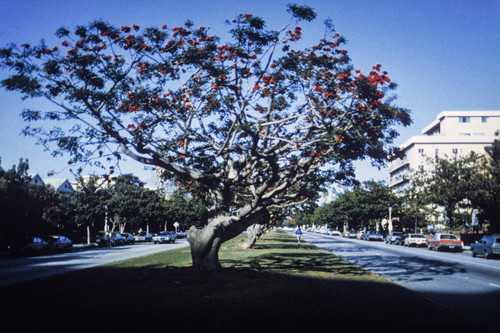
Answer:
(277, 285)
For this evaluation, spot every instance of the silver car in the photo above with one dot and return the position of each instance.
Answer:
(372, 235)
(392, 237)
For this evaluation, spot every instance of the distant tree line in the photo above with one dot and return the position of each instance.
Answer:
(123, 203)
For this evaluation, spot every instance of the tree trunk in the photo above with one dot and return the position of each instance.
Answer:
(205, 247)
(205, 242)
(253, 233)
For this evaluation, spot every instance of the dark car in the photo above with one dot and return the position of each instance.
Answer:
(392, 236)
(129, 238)
(58, 242)
(488, 246)
(400, 239)
(117, 239)
(29, 244)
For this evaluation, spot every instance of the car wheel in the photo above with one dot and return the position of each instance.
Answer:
(474, 254)
(488, 255)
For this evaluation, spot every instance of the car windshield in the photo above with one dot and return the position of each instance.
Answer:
(448, 237)
(397, 233)
(497, 240)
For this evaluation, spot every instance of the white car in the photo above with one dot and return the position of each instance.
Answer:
(164, 237)
(415, 240)
(143, 236)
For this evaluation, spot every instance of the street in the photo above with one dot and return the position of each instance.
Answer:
(470, 286)
(19, 269)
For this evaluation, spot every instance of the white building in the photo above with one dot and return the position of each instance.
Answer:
(453, 133)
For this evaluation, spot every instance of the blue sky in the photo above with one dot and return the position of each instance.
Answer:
(444, 54)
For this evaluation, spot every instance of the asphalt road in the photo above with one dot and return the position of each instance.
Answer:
(19, 269)
(470, 286)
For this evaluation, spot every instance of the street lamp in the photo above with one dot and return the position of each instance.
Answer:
(390, 219)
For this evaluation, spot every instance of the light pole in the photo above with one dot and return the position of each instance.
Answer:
(390, 219)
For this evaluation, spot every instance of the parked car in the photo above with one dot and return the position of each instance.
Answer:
(102, 239)
(488, 246)
(334, 232)
(351, 234)
(143, 236)
(181, 234)
(415, 240)
(117, 239)
(372, 235)
(58, 242)
(391, 237)
(164, 237)
(400, 240)
(29, 244)
(129, 238)
(445, 241)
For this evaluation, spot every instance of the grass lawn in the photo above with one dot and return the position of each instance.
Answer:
(277, 285)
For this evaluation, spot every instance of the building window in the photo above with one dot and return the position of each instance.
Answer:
(455, 151)
(420, 167)
(420, 150)
(436, 152)
(484, 119)
(464, 119)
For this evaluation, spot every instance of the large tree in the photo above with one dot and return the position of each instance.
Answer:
(255, 121)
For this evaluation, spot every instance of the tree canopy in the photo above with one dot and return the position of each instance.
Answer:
(362, 207)
(255, 121)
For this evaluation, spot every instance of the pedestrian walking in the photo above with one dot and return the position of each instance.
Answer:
(298, 233)
(108, 240)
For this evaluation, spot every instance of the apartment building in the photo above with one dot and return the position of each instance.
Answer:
(453, 133)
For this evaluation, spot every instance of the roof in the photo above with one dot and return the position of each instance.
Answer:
(61, 185)
(426, 139)
(442, 115)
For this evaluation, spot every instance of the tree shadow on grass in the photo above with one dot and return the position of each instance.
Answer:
(240, 299)
(297, 262)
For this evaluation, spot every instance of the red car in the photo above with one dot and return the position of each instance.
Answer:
(445, 241)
